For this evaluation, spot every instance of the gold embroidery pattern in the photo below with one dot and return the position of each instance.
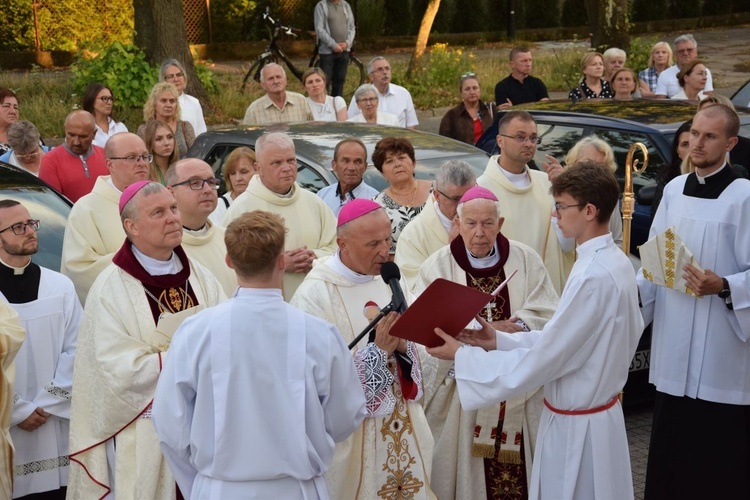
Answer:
(173, 298)
(400, 483)
(669, 273)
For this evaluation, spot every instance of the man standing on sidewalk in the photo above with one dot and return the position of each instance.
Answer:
(334, 26)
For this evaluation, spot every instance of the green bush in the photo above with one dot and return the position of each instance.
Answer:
(121, 67)
(639, 53)
(437, 83)
(207, 78)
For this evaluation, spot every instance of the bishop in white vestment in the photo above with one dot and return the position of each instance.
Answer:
(390, 454)
(581, 356)
(134, 308)
(478, 453)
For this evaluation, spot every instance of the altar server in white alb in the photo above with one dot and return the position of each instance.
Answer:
(390, 454)
(700, 353)
(478, 453)
(131, 314)
(581, 356)
(49, 311)
(256, 392)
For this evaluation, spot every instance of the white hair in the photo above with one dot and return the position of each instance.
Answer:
(278, 139)
(267, 66)
(614, 52)
(460, 207)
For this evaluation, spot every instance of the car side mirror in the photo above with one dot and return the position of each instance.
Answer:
(645, 195)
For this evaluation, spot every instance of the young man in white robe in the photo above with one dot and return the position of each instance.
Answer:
(478, 453)
(311, 226)
(700, 351)
(93, 232)
(134, 308)
(581, 356)
(49, 310)
(193, 185)
(524, 196)
(12, 336)
(390, 454)
(433, 228)
(279, 389)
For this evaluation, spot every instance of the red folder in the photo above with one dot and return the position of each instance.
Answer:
(445, 305)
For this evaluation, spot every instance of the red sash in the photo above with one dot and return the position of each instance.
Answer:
(588, 411)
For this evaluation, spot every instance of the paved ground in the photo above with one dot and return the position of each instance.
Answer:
(638, 425)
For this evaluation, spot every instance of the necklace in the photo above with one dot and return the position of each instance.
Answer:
(398, 197)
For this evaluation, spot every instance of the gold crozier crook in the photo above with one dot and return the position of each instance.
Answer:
(628, 198)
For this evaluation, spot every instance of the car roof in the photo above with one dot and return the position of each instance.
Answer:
(661, 114)
(316, 140)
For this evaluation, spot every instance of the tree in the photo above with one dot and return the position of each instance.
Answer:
(160, 33)
(415, 64)
(608, 20)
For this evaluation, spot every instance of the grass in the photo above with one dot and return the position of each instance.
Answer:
(47, 96)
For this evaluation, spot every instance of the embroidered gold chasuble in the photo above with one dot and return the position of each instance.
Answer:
(390, 455)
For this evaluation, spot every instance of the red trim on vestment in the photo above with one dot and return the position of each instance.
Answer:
(588, 411)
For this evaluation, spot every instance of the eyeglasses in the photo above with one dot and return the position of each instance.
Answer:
(466, 76)
(197, 184)
(28, 156)
(19, 228)
(454, 199)
(174, 76)
(107, 98)
(686, 51)
(382, 69)
(133, 158)
(559, 206)
(520, 139)
(368, 99)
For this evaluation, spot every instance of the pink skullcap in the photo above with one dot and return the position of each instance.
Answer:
(356, 209)
(131, 191)
(478, 193)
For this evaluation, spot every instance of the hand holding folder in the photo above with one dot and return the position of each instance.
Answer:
(445, 305)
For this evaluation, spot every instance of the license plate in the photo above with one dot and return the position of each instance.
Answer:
(641, 361)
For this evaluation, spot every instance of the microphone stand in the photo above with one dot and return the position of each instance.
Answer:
(370, 327)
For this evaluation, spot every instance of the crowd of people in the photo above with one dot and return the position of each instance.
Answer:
(204, 346)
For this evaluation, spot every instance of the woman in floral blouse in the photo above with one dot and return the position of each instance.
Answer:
(592, 84)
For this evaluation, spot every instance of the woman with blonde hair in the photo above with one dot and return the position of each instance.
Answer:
(238, 169)
(324, 107)
(162, 146)
(592, 84)
(661, 58)
(163, 105)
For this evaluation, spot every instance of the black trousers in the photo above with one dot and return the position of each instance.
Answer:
(698, 450)
(335, 67)
(47, 495)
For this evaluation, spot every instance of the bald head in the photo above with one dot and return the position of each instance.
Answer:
(80, 129)
(725, 115)
(126, 156)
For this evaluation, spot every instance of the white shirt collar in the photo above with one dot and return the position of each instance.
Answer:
(16, 270)
(339, 267)
(702, 179)
(445, 221)
(484, 262)
(519, 180)
(156, 267)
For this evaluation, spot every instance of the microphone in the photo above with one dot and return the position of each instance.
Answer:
(391, 274)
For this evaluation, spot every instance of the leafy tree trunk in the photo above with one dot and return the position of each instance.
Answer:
(608, 20)
(415, 64)
(160, 33)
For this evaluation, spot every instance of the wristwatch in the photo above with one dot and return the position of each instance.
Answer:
(725, 292)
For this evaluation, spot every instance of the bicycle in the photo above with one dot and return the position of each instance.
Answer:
(355, 75)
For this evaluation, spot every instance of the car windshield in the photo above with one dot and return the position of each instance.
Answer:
(43, 204)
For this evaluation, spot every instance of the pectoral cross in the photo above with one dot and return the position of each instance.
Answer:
(488, 311)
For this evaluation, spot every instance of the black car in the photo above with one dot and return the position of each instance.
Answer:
(314, 143)
(43, 203)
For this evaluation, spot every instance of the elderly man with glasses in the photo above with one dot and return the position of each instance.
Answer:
(93, 232)
(193, 185)
(392, 98)
(686, 50)
(72, 168)
(524, 195)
